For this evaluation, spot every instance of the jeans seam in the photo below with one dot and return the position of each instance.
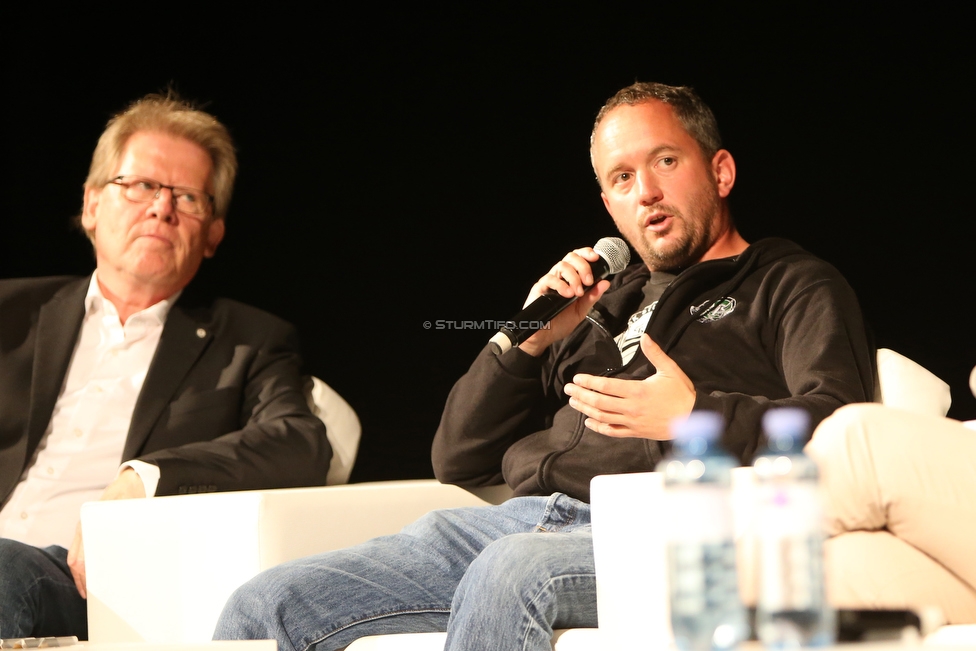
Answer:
(545, 587)
(28, 612)
(572, 515)
(373, 618)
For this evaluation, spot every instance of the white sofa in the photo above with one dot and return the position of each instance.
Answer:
(160, 570)
(191, 552)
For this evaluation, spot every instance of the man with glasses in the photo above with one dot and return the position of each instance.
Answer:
(124, 366)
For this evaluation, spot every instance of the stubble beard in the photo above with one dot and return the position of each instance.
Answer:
(694, 240)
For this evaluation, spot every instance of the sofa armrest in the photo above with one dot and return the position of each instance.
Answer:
(160, 570)
(906, 385)
(629, 540)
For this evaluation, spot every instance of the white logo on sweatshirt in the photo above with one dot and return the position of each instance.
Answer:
(714, 310)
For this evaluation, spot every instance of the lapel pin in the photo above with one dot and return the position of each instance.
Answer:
(201, 333)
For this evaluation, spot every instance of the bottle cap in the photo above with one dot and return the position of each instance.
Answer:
(705, 425)
(786, 427)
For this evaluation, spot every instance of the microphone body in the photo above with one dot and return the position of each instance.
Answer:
(614, 258)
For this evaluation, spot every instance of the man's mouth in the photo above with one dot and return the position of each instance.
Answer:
(657, 222)
(156, 238)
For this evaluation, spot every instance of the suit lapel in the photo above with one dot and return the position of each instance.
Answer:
(183, 339)
(58, 325)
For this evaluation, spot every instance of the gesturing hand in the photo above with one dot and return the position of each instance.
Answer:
(635, 408)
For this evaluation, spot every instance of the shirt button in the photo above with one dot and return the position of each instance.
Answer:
(78, 433)
(23, 515)
(50, 470)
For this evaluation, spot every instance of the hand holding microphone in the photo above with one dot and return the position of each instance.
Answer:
(571, 279)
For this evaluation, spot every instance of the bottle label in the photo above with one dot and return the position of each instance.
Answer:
(698, 513)
(702, 577)
(789, 535)
(706, 612)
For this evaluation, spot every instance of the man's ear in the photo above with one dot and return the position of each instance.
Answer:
(88, 209)
(215, 234)
(723, 168)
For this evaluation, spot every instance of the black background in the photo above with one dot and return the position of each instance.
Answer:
(429, 164)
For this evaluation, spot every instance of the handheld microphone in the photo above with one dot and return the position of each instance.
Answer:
(614, 258)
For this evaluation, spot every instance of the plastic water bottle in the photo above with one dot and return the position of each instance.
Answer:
(792, 609)
(706, 611)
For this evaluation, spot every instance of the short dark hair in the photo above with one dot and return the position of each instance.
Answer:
(694, 115)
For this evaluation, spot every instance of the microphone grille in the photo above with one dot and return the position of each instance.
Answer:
(615, 251)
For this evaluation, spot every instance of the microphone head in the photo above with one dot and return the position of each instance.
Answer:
(615, 251)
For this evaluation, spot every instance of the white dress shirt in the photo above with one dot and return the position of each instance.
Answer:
(80, 451)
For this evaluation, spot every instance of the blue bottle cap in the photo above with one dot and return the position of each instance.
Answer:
(786, 427)
(705, 425)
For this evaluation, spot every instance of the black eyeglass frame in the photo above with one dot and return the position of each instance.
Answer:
(122, 181)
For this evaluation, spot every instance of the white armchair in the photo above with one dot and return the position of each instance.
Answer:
(160, 570)
(342, 427)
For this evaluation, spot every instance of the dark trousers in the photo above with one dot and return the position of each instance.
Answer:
(37, 593)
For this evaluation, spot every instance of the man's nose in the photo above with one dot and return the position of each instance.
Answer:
(163, 206)
(649, 190)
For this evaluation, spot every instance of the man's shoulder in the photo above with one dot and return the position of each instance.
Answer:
(239, 310)
(783, 271)
(788, 257)
(34, 291)
(229, 315)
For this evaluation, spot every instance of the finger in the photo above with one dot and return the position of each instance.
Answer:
(608, 429)
(562, 280)
(591, 410)
(81, 580)
(609, 409)
(590, 399)
(76, 562)
(658, 357)
(607, 386)
(573, 272)
(592, 295)
(580, 260)
(574, 269)
(570, 277)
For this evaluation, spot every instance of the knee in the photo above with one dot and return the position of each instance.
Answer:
(833, 436)
(20, 565)
(513, 555)
(9, 552)
(13, 553)
(548, 577)
(532, 560)
(253, 609)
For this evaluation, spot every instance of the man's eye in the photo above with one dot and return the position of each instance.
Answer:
(145, 186)
(622, 177)
(187, 197)
(668, 161)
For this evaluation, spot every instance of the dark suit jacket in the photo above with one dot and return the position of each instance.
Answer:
(222, 407)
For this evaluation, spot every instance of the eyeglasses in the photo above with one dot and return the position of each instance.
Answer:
(139, 189)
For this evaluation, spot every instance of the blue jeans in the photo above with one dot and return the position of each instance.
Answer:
(493, 577)
(38, 596)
